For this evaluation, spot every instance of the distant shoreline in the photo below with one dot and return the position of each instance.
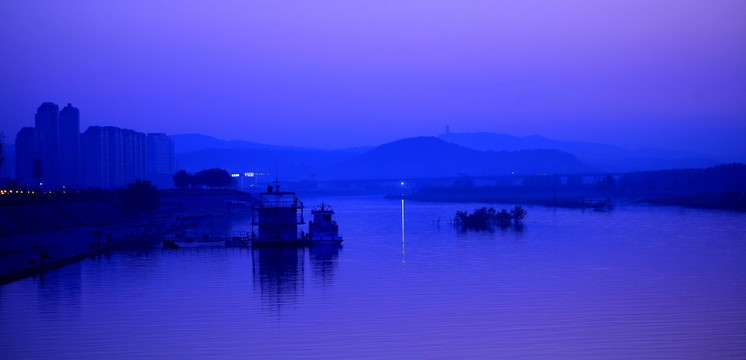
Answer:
(589, 202)
(720, 187)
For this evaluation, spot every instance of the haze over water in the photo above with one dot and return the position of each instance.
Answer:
(638, 282)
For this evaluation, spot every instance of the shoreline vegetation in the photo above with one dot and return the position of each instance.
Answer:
(486, 219)
(43, 235)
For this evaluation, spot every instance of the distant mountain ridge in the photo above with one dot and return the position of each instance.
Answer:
(419, 157)
(604, 157)
(184, 143)
(427, 157)
(478, 154)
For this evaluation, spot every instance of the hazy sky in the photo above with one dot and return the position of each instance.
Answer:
(344, 73)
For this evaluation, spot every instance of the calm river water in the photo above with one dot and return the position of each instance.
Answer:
(638, 282)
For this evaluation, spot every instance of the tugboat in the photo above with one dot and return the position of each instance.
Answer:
(276, 216)
(323, 229)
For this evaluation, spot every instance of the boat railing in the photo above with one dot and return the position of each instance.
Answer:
(322, 209)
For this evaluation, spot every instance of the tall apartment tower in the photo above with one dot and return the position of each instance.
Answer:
(161, 163)
(4, 160)
(46, 140)
(134, 156)
(26, 152)
(68, 147)
(99, 152)
(113, 157)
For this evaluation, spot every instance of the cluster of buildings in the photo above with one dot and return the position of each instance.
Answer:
(54, 154)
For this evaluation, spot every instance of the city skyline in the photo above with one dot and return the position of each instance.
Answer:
(54, 154)
(634, 74)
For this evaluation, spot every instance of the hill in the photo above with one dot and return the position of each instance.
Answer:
(426, 157)
(185, 143)
(475, 154)
(607, 158)
(421, 157)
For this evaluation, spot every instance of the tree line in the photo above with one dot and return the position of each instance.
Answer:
(210, 178)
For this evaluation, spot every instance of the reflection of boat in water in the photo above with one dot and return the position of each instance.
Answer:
(323, 229)
(279, 247)
(323, 258)
(277, 215)
(278, 273)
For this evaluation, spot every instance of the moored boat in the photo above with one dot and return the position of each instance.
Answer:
(277, 214)
(323, 229)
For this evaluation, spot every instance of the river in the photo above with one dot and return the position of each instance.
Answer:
(636, 282)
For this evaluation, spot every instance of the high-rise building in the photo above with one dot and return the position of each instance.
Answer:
(134, 156)
(161, 163)
(94, 144)
(55, 154)
(113, 157)
(4, 158)
(46, 140)
(26, 152)
(68, 147)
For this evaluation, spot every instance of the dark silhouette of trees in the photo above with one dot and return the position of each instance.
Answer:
(182, 179)
(484, 218)
(140, 196)
(502, 218)
(212, 178)
(517, 214)
(479, 219)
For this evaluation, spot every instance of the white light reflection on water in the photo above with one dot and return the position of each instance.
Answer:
(639, 282)
(403, 250)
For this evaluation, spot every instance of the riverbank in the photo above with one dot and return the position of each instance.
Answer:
(721, 187)
(591, 201)
(40, 237)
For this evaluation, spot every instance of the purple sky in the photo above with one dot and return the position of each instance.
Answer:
(345, 73)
